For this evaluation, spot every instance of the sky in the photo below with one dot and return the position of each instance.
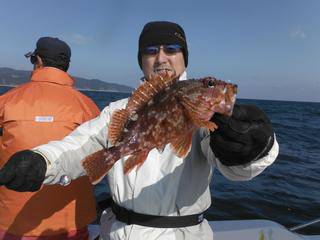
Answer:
(269, 48)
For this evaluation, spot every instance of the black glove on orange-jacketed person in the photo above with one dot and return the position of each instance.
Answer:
(24, 171)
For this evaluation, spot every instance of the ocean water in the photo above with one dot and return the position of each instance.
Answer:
(288, 191)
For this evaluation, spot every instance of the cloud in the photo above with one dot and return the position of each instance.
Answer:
(298, 33)
(76, 38)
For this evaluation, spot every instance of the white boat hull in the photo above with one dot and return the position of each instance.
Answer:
(255, 230)
(243, 230)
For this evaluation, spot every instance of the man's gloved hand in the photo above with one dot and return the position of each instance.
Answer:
(244, 137)
(24, 171)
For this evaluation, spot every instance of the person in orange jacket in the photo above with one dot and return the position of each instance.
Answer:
(46, 108)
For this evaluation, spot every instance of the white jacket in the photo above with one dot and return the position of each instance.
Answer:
(164, 185)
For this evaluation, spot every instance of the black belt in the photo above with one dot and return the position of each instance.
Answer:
(130, 217)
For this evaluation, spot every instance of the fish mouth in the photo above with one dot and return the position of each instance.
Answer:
(230, 97)
(225, 97)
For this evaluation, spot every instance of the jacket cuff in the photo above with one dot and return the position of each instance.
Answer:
(266, 150)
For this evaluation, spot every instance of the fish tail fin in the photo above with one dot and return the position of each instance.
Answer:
(135, 160)
(117, 124)
(98, 164)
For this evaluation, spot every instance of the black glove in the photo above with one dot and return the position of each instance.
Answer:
(24, 171)
(244, 137)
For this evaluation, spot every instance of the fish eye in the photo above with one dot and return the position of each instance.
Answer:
(210, 83)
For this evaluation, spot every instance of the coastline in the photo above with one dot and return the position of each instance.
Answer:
(80, 89)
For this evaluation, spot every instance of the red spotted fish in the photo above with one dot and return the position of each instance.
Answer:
(169, 114)
(139, 98)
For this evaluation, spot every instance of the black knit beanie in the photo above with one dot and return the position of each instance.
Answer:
(162, 32)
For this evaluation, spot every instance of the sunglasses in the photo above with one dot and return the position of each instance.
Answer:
(32, 56)
(168, 49)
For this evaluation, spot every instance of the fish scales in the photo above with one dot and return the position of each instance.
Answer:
(171, 117)
(143, 94)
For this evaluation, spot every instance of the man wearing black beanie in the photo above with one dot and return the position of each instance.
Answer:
(166, 196)
(159, 33)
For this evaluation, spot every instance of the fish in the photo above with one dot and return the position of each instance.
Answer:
(143, 94)
(170, 116)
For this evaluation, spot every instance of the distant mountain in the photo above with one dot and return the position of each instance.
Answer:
(12, 77)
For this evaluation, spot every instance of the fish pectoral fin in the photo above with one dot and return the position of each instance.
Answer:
(117, 123)
(97, 165)
(194, 112)
(135, 160)
(182, 145)
(209, 125)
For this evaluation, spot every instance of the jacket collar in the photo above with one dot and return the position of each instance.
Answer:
(53, 75)
(183, 76)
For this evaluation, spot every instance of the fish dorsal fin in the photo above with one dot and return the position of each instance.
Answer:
(117, 124)
(146, 91)
(195, 111)
(182, 144)
(135, 160)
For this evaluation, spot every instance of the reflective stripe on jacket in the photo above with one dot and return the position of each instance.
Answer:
(44, 109)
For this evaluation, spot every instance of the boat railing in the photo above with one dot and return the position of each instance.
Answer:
(300, 226)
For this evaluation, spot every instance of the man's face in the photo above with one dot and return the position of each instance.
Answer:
(162, 61)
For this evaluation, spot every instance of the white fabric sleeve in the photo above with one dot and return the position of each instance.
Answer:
(241, 172)
(64, 157)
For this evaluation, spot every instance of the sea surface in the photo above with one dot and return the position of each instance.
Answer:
(288, 191)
